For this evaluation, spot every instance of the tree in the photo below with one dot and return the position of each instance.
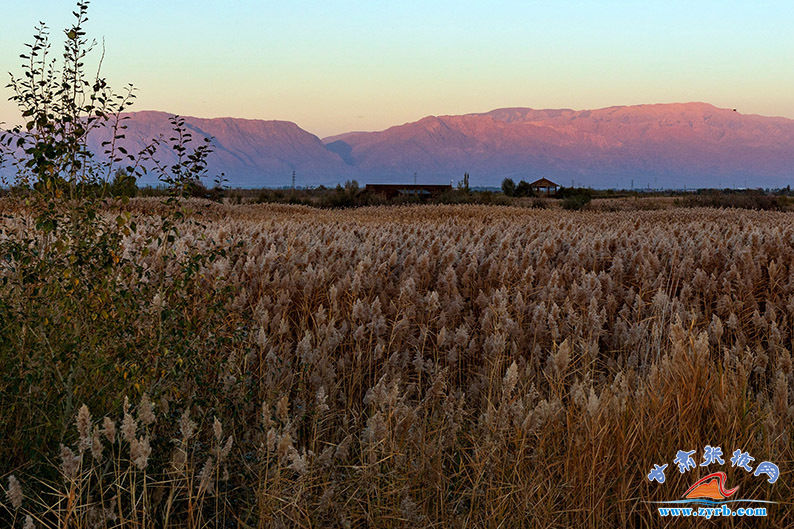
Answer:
(70, 266)
(123, 185)
(351, 187)
(184, 176)
(508, 187)
(464, 184)
(61, 106)
(523, 189)
(77, 289)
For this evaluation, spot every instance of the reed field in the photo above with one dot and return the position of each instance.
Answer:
(412, 366)
(176, 362)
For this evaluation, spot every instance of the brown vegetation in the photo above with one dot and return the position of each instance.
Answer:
(412, 366)
(424, 366)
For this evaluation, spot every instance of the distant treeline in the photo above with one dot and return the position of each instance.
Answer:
(351, 194)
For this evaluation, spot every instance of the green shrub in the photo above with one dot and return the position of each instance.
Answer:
(566, 192)
(575, 202)
(740, 199)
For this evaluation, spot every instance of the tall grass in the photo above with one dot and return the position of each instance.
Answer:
(184, 363)
(411, 366)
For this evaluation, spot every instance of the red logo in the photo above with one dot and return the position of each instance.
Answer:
(711, 487)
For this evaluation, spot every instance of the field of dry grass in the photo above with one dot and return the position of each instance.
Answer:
(422, 366)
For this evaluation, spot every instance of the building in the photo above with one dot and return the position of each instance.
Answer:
(420, 190)
(544, 186)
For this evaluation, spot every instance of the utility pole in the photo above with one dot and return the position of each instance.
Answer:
(293, 179)
(414, 177)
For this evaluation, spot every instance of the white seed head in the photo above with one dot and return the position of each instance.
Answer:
(297, 462)
(109, 429)
(14, 492)
(322, 400)
(282, 409)
(70, 463)
(510, 379)
(227, 448)
(558, 361)
(271, 439)
(128, 428)
(285, 445)
(146, 411)
(83, 428)
(205, 476)
(217, 429)
(140, 450)
(593, 403)
(186, 427)
(157, 303)
(266, 420)
(96, 445)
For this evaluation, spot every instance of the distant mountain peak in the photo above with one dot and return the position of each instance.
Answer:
(250, 152)
(691, 144)
(659, 145)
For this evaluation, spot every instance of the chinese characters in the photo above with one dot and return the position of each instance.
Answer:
(684, 460)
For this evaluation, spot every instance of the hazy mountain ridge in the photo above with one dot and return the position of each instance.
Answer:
(664, 145)
(659, 145)
(249, 152)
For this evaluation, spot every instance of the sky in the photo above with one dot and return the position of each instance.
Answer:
(334, 66)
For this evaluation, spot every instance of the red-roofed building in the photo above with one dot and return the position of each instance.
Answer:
(544, 186)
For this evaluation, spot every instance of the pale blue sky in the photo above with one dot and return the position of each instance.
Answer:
(333, 66)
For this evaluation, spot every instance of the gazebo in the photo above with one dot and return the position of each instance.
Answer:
(544, 186)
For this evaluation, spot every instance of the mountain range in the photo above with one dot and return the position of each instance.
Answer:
(659, 145)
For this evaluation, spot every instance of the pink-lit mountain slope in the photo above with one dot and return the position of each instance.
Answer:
(664, 145)
(250, 152)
